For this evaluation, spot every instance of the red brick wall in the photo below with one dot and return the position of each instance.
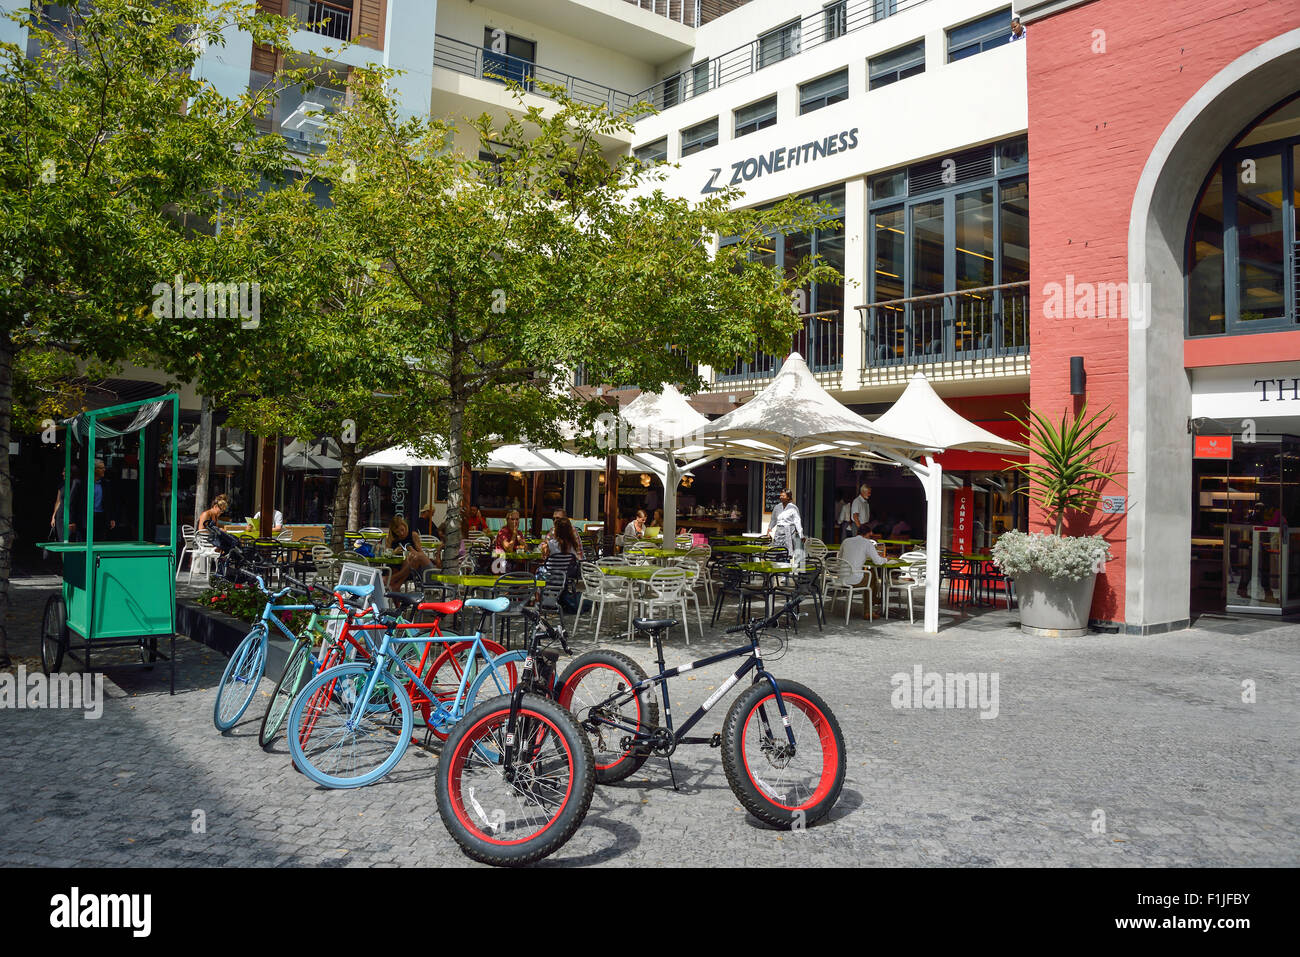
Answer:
(1093, 120)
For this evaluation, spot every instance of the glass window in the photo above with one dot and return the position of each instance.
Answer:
(835, 19)
(700, 137)
(890, 254)
(974, 240)
(1015, 231)
(778, 44)
(1261, 254)
(507, 57)
(1013, 153)
(653, 152)
(927, 248)
(1205, 305)
(896, 65)
(756, 116)
(700, 78)
(824, 91)
(889, 185)
(979, 35)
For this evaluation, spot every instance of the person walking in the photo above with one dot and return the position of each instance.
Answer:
(786, 525)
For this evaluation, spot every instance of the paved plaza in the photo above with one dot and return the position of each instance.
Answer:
(1105, 750)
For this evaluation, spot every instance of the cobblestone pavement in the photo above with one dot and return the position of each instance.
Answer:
(1150, 732)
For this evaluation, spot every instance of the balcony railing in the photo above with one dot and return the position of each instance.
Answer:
(332, 20)
(814, 30)
(971, 324)
(820, 342)
(693, 13)
(471, 60)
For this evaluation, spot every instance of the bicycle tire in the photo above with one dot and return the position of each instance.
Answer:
(240, 679)
(444, 675)
(558, 781)
(54, 634)
(784, 800)
(322, 739)
(296, 672)
(594, 677)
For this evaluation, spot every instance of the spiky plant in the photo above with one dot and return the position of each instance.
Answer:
(1068, 476)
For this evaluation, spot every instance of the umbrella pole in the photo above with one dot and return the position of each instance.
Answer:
(670, 501)
(933, 482)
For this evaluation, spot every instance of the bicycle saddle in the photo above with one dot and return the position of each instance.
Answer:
(488, 604)
(653, 624)
(402, 598)
(442, 607)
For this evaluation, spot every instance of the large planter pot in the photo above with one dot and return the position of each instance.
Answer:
(1054, 608)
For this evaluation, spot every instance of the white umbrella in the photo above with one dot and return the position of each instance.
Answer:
(401, 457)
(312, 456)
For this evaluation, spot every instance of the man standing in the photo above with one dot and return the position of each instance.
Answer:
(104, 523)
(786, 526)
(861, 510)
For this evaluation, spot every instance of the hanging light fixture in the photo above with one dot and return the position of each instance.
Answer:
(645, 480)
(688, 481)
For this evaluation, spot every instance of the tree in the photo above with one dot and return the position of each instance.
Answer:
(500, 277)
(113, 153)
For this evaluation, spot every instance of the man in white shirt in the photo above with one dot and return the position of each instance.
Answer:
(861, 510)
(854, 554)
(278, 525)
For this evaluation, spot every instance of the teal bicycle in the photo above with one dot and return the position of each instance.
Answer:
(351, 724)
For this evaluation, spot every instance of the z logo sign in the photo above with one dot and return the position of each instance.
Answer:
(709, 187)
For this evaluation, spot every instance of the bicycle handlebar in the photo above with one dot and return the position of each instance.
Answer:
(758, 624)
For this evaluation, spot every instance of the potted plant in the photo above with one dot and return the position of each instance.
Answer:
(1055, 574)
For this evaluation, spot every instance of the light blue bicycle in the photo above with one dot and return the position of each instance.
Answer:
(351, 724)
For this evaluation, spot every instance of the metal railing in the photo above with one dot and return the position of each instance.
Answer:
(692, 13)
(820, 342)
(471, 60)
(983, 323)
(333, 20)
(812, 31)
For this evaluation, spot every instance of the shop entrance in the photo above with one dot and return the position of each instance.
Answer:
(1245, 518)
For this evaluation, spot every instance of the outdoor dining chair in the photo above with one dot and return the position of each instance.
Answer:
(834, 587)
(806, 583)
(519, 588)
(694, 573)
(908, 578)
(599, 590)
(665, 589)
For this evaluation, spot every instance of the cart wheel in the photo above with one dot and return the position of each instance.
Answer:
(148, 650)
(54, 634)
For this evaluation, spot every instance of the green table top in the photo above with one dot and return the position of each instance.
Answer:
(475, 581)
(631, 571)
(741, 538)
(378, 560)
(901, 541)
(769, 568)
(743, 549)
(665, 552)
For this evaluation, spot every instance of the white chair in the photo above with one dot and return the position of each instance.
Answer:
(815, 548)
(665, 589)
(325, 563)
(635, 552)
(700, 554)
(834, 588)
(187, 536)
(693, 579)
(205, 554)
(908, 578)
(612, 560)
(600, 589)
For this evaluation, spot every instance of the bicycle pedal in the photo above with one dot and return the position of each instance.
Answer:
(716, 740)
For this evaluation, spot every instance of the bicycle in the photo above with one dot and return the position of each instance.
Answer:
(787, 783)
(352, 723)
(517, 774)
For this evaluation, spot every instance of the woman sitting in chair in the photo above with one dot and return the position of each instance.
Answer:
(401, 535)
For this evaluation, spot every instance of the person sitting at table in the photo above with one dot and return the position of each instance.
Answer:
(636, 527)
(553, 542)
(277, 525)
(854, 553)
(510, 539)
(474, 521)
(401, 535)
(563, 552)
(657, 520)
(220, 506)
(425, 524)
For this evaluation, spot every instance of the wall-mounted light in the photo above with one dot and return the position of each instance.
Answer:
(645, 480)
(1078, 378)
(517, 475)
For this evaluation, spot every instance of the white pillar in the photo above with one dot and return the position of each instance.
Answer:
(670, 477)
(933, 482)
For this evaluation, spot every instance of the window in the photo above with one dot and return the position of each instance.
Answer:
(700, 137)
(507, 57)
(1243, 242)
(700, 78)
(835, 19)
(979, 35)
(818, 93)
(652, 152)
(756, 116)
(779, 44)
(896, 65)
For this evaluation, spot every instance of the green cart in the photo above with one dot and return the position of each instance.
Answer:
(116, 594)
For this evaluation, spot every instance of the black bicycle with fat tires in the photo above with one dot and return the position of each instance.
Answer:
(782, 748)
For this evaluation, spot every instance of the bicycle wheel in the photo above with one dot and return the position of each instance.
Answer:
(487, 681)
(54, 634)
(520, 814)
(595, 678)
(296, 671)
(784, 786)
(239, 682)
(332, 748)
(444, 679)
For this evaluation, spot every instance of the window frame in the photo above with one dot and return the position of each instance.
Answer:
(835, 20)
(763, 124)
(900, 71)
(789, 43)
(804, 107)
(696, 148)
(636, 151)
(980, 43)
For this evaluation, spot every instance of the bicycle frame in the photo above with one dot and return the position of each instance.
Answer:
(753, 661)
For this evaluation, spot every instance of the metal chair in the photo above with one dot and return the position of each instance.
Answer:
(693, 577)
(833, 586)
(598, 590)
(520, 588)
(908, 578)
(666, 588)
(806, 583)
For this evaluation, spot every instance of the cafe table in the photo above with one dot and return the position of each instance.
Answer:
(742, 549)
(637, 574)
(664, 553)
(769, 571)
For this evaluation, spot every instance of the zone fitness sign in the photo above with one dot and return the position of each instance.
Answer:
(780, 160)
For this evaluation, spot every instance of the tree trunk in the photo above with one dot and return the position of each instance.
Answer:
(611, 503)
(266, 487)
(6, 488)
(455, 502)
(343, 492)
(354, 501)
(201, 502)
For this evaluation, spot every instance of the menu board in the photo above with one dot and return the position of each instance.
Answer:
(774, 482)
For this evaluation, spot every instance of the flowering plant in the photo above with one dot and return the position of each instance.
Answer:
(1060, 557)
